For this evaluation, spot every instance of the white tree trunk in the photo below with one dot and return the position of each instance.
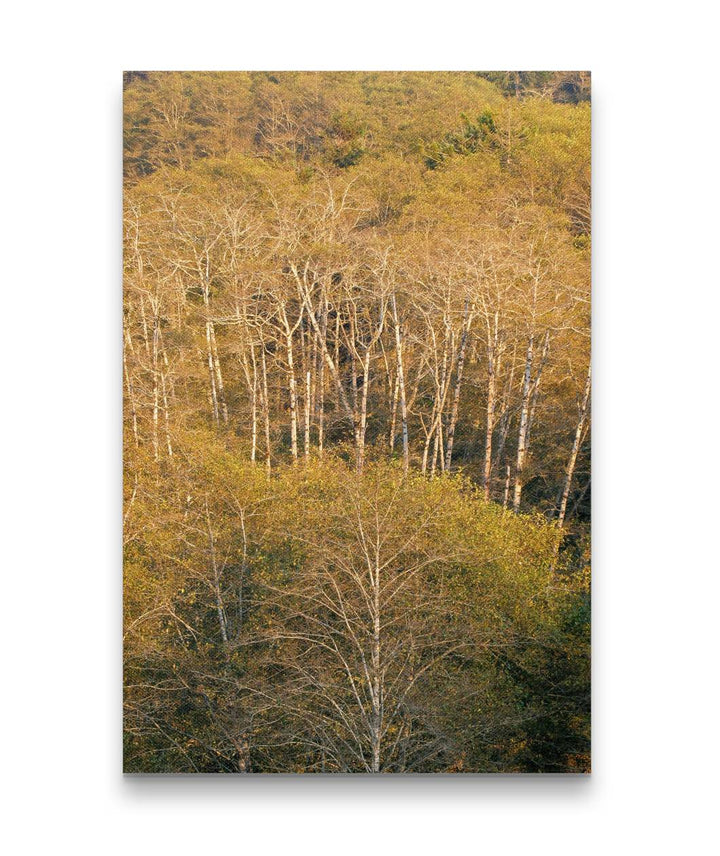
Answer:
(575, 449)
(156, 388)
(253, 406)
(291, 383)
(211, 367)
(321, 383)
(376, 691)
(166, 411)
(293, 398)
(492, 356)
(458, 383)
(307, 413)
(401, 387)
(218, 373)
(130, 393)
(219, 605)
(265, 408)
(522, 434)
(363, 412)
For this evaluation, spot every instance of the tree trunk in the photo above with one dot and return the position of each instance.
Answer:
(401, 387)
(265, 408)
(293, 398)
(458, 382)
(218, 373)
(504, 424)
(394, 398)
(575, 449)
(211, 367)
(489, 426)
(438, 450)
(252, 382)
(130, 393)
(321, 382)
(492, 354)
(307, 414)
(522, 434)
(166, 411)
(217, 394)
(292, 385)
(375, 688)
(353, 364)
(363, 412)
(220, 607)
(156, 388)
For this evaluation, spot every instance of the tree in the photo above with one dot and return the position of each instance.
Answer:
(356, 329)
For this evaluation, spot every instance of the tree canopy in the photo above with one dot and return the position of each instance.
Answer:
(356, 374)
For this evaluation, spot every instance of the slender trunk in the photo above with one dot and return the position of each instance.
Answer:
(243, 573)
(522, 434)
(156, 388)
(574, 452)
(401, 387)
(442, 447)
(293, 389)
(506, 409)
(363, 412)
(168, 375)
(375, 689)
(492, 348)
(211, 368)
(321, 383)
(321, 407)
(251, 380)
(438, 450)
(218, 374)
(353, 364)
(215, 377)
(490, 425)
(166, 412)
(307, 389)
(293, 398)
(506, 493)
(265, 407)
(220, 607)
(253, 448)
(307, 414)
(458, 383)
(337, 337)
(393, 412)
(130, 394)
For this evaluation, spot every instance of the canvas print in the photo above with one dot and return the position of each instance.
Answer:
(356, 376)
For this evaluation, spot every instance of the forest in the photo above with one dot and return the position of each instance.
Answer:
(356, 400)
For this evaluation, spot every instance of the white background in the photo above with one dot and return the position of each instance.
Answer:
(655, 433)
